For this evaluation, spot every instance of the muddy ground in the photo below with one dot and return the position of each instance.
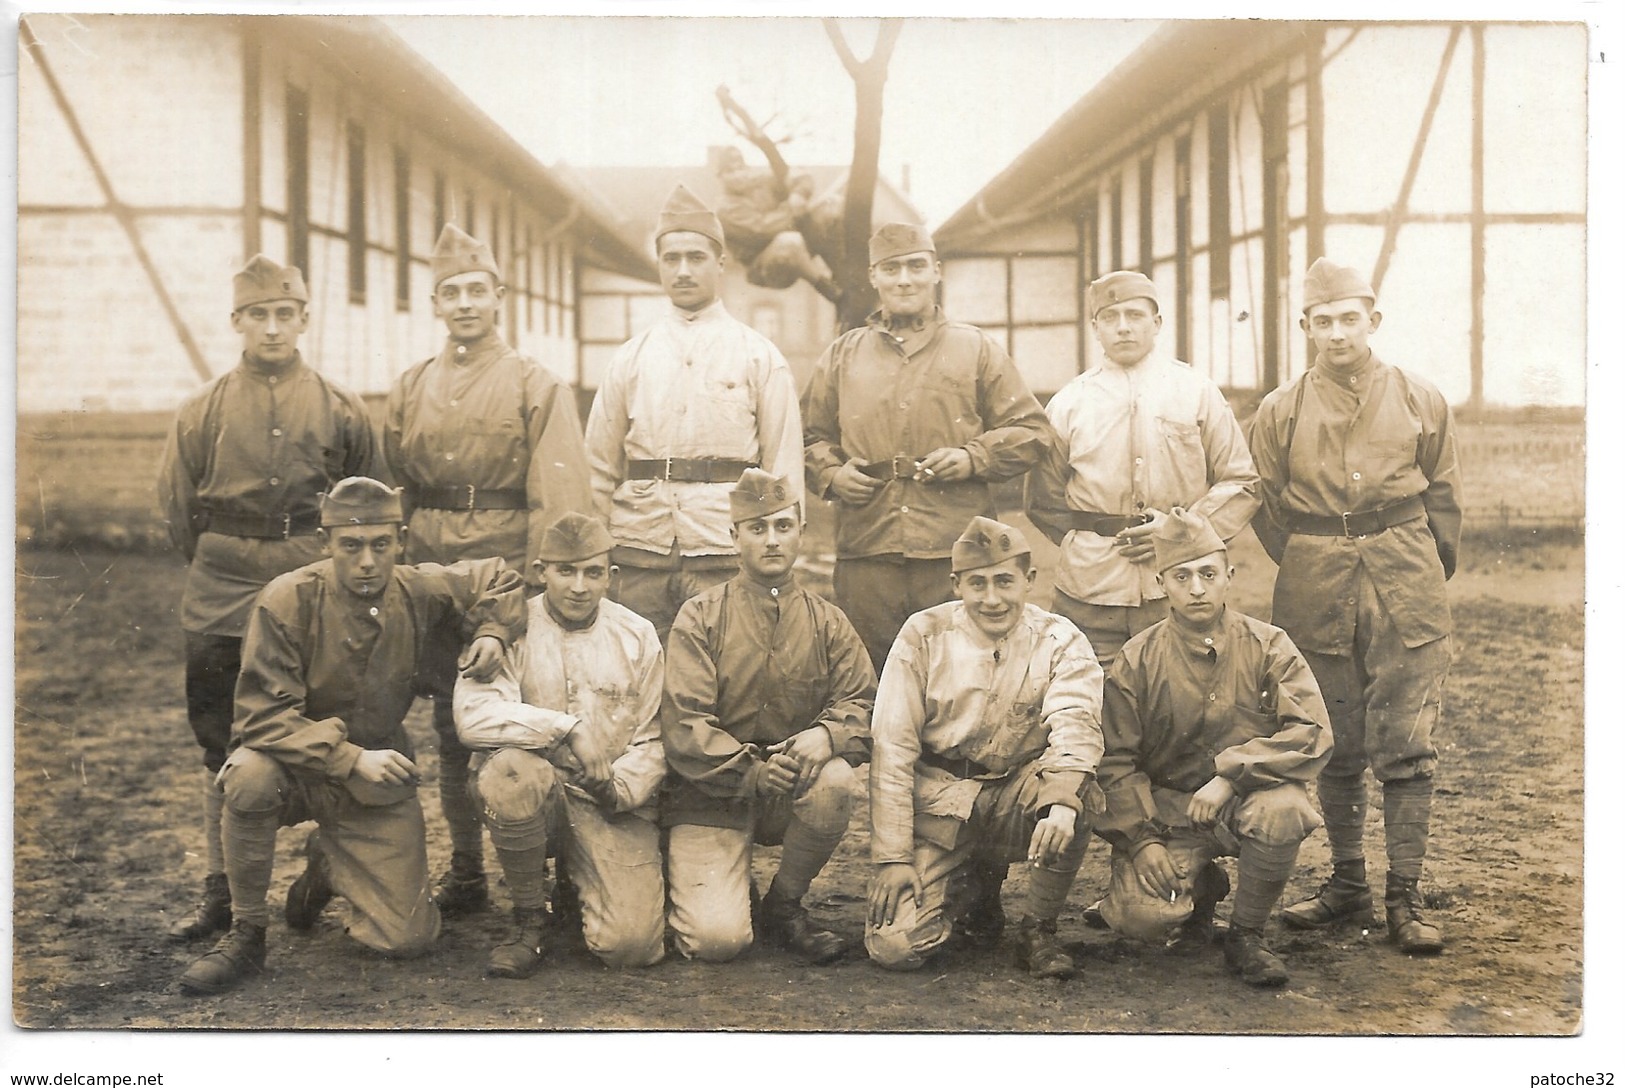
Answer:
(107, 849)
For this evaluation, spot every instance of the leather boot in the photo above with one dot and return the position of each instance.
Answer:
(1246, 954)
(786, 924)
(520, 957)
(1039, 950)
(1402, 901)
(566, 902)
(1345, 897)
(240, 953)
(311, 892)
(1208, 890)
(461, 890)
(210, 916)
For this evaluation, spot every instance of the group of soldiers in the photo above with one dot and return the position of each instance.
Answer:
(629, 682)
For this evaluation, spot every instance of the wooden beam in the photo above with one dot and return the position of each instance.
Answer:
(1396, 214)
(121, 213)
(1475, 397)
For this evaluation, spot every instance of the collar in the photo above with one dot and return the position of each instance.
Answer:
(979, 638)
(781, 592)
(709, 312)
(896, 327)
(355, 603)
(1209, 644)
(487, 347)
(568, 625)
(271, 374)
(1354, 377)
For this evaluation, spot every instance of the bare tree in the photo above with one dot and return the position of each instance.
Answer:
(773, 226)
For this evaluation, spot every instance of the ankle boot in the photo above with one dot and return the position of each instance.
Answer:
(311, 892)
(461, 890)
(520, 957)
(1345, 897)
(1039, 950)
(786, 924)
(1402, 901)
(1246, 954)
(240, 953)
(212, 914)
(1209, 888)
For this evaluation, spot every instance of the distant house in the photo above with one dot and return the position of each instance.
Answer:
(157, 153)
(798, 319)
(1448, 161)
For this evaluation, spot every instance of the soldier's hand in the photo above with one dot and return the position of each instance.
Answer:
(887, 889)
(1052, 835)
(385, 767)
(851, 485)
(1135, 541)
(1158, 873)
(1207, 801)
(779, 774)
(585, 744)
(482, 658)
(947, 465)
(811, 749)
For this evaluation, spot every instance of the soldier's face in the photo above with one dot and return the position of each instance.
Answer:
(271, 330)
(1341, 330)
(1127, 331)
(363, 555)
(768, 546)
(469, 304)
(995, 596)
(1197, 589)
(574, 589)
(907, 285)
(690, 268)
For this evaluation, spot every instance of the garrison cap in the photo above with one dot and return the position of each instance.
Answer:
(759, 494)
(456, 251)
(1183, 537)
(263, 280)
(1115, 287)
(361, 500)
(899, 240)
(572, 537)
(985, 543)
(1328, 282)
(683, 211)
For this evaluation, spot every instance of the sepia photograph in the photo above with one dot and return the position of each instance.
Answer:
(808, 524)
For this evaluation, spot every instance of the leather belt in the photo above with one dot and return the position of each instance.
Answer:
(469, 497)
(898, 467)
(959, 768)
(694, 470)
(1090, 522)
(1361, 523)
(258, 526)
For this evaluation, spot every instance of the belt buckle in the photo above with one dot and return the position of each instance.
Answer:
(470, 488)
(287, 526)
(904, 467)
(1347, 533)
(666, 472)
(1141, 518)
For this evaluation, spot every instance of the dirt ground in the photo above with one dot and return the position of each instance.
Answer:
(107, 848)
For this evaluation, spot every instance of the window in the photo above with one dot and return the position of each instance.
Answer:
(1218, 200)
(1182, 245)
(439, 205)
(468, 212)
(356, 143)
(1147, 254)
(403, 230)
(1117, 222)
(298, 177)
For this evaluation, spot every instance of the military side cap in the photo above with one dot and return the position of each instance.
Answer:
(361, 500)
(1115, 287)
(1328, 282)
(683, 211)
(898, 240)
(985, 543)
(263, 280)
(572, 537)
(1182, 537)
(456, 251)
(758, 494)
